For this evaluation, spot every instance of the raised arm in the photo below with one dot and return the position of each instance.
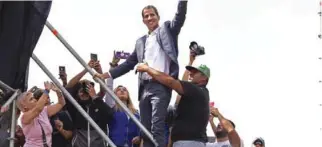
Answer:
(161, 77)
(123, 68)
(53, 109)
(108, 98)
(30, 115)
(212, 124)
(233, 136)
(98, 69)
(185, 76)
(79, 76)
(179, 17)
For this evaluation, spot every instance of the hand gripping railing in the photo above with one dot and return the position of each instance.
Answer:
(109, 91)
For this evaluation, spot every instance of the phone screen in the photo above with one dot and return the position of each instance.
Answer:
(94, 57)
(62, 69)
(122, 55)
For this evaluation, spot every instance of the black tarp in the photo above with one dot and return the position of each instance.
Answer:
(21, 24)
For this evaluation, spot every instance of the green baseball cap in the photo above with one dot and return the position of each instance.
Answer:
(202, 68)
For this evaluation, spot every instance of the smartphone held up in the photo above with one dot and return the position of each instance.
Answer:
(94, 57)
(62, 69)
(122, 54)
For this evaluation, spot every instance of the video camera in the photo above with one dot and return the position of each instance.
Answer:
(197, 49)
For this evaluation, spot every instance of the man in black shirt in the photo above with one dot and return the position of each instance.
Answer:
(189, 128)
(62, 129)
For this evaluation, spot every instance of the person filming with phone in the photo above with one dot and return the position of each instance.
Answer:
(225, 132)
(63, 75)
(35, 118)
(84, 93)
(60, 122)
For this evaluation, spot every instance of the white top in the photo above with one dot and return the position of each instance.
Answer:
(154, 56)
(222, 144)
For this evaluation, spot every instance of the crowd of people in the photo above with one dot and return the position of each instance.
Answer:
(156, 57)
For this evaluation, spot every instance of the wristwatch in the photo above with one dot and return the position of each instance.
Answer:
(46, 91)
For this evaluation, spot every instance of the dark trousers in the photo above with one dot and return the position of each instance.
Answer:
(154, 102)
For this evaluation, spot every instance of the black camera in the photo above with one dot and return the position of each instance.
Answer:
(85, 86)
(37, 92)
(197, 49)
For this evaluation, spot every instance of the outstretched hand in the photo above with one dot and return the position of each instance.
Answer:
(54, 87)
(101, 76)
(98, 67)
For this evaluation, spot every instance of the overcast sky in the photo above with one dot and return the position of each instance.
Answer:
(263, 57)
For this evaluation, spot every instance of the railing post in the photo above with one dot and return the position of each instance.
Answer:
(13, 124)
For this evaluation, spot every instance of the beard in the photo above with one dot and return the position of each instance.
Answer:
(221, 134)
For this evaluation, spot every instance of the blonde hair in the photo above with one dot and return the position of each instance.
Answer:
(20, 101)
(129, 103)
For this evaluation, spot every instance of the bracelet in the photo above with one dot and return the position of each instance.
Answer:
(113, 64)
(46, 91)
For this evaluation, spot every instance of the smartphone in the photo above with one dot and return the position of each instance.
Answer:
(122, 55)
(94, 57)
(62, 69)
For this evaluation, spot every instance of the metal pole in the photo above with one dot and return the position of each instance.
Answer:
(14, 113)
(109, 91)
(13, 124)
(11, 99)
(6, 87)
(73, 101)
(320, 14)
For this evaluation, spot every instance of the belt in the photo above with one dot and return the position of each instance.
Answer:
(144, 82)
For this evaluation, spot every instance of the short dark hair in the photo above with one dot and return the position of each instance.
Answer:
(232, 123)
(150, 7)
(259, 140)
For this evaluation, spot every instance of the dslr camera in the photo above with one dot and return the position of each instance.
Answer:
(197, 49)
